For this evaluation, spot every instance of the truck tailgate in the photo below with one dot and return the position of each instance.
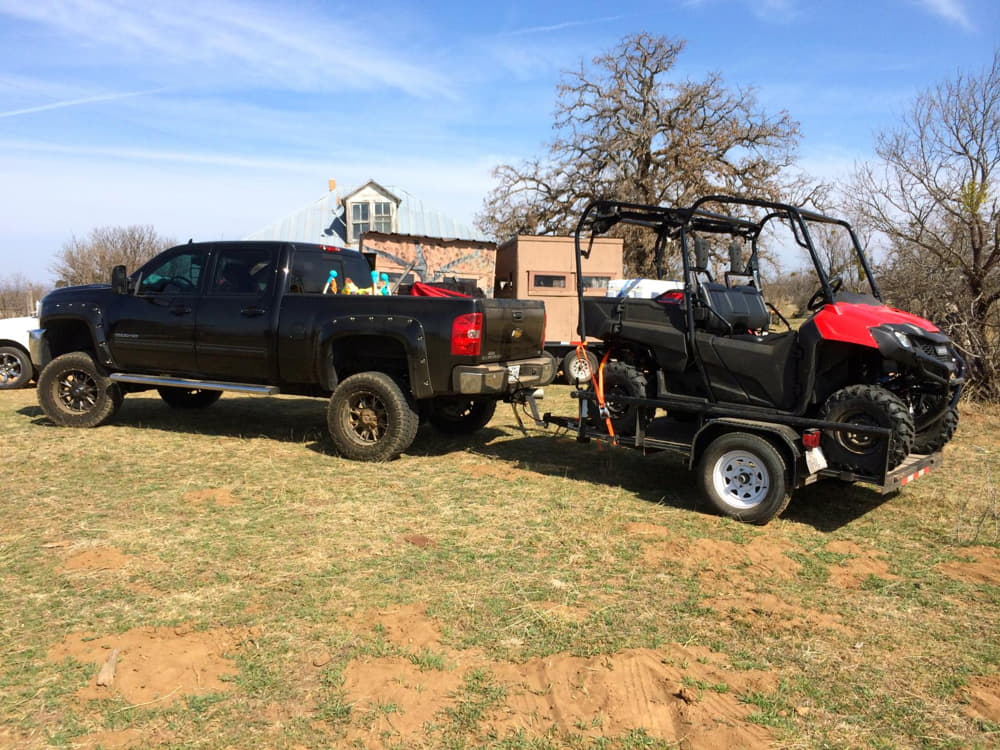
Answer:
(512, 329)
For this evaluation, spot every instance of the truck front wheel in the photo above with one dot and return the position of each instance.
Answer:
(73, 392)
(462, 416)
(370, 418)
(744, 477)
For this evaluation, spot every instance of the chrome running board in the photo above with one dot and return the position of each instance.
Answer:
(205, 385)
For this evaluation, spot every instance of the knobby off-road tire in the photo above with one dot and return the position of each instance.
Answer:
(73, 392)
(938, 433)
(188, 398)
(371, 418)
(576, 371)
(869, 406)
(461, 416)
(15, 368)
(621, 379)
(744, 477)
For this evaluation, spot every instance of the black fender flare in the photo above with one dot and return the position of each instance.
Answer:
(403, 329)
(89, 316)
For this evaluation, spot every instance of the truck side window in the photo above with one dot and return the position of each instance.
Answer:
(245, 271)
(311, 270)
(179, 273)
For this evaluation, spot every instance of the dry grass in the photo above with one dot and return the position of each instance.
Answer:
(877, 618)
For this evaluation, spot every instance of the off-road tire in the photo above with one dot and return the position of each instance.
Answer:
(371, 418)
(15, 368)
(937, 434)
(576, 372)
(74, 392)
(744, 477)
(621, 379)
(188, 398)
(461, 416)
(872, 406)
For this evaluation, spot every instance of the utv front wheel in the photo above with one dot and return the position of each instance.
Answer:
(867, 406)
(935, 435)
(370, 418)
(73, 392)
(744, 477)
(462, 416)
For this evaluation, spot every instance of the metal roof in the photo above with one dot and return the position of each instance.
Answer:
(322, 221)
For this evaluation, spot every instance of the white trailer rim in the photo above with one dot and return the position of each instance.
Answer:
(740, 479)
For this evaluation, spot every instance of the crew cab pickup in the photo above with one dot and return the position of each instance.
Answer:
(273, 317)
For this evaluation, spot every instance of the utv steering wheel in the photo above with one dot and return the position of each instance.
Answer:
(819, 298)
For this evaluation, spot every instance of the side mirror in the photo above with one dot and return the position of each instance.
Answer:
(736, 258)
(119, 281)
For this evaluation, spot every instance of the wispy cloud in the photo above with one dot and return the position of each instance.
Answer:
(82, 100)
(561, 26)
(282, 47)
(950, 10)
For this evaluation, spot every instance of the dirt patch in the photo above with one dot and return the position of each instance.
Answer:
(407, 626)
(767, 611)
(687, 695)
(724, 561)
(97, 558)
(861, 564)
(120, 738)
(983, 695)
(222, 497)
(156, 665)
(985, 567)
(419, 540)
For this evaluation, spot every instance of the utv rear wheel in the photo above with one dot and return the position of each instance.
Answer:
(73, 392)
(370, 418)
(866, 406)
(937, 434)
(188, 398)
(744, 477)
(462, 416)
(577, 370)
(621, 379)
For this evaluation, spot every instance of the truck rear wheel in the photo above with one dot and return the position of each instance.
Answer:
(744, 477)
(15, 367)
(462, 416)
(73, 392)
(867, 406)
(370, 418)
(188, 398)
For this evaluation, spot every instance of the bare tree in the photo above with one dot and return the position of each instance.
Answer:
(18, 295)
(626, 131)
(90, 260)
(934, 197)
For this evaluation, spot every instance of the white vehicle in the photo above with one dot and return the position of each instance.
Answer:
(16, 370)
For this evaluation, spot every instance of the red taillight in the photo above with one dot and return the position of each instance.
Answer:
(467, 335)
(811, 439)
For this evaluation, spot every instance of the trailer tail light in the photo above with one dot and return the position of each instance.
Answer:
(467, 335)
(810, 439)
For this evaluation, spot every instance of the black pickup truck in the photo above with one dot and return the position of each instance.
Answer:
(273, 317)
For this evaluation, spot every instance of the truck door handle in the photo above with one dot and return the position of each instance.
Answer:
(180, 310)
(252, 312)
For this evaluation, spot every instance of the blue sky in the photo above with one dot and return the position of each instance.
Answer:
(213, 119)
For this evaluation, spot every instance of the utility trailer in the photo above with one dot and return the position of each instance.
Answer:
(860, 392)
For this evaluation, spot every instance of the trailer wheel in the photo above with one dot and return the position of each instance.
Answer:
(621, 379)
(576, 371)
(868, 406)
(371, 418)
(462, 416)
(744, 477)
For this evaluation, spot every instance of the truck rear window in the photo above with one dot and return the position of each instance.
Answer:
(311, 271)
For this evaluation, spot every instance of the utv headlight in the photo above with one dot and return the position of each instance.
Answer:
(941, 350)
(903, 339)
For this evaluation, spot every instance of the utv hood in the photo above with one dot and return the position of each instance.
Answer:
(851, 322)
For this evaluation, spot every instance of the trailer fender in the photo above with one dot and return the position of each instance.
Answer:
(784, 438)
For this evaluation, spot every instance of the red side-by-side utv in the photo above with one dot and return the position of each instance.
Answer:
(860, 391)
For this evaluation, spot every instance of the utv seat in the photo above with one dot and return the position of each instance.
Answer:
(741, 307)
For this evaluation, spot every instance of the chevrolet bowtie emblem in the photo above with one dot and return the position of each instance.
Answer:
(516, 334)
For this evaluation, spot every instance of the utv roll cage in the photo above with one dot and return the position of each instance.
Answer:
(679, 223)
